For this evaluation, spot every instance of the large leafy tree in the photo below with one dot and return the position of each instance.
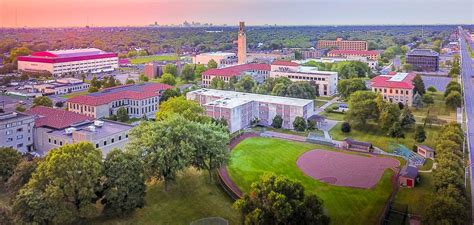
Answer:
(168, 78)
(189, 109)
(407, 119)
(349, 86)
(276, 200)
(217, 83)
(124, 185)
(389, 114)
(169, 93)
(43, 101)
(419, 85)
(277, 121)
(165, 146)
(362, 107)
(300, 123)
(301, 90)
(210, 150)
(212, 64)
(21, 175)
(245, 84)
(171, 69)
(9, 159)
(63, 188)
(454, 99)
(122, 114)
(420, 134)
(188, 72)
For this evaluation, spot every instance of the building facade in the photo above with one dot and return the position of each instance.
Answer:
(325, 82)
(259, 72)
(66, 62)
(423, 60)
(242, 44)
(223, 59)
(341, 44)
(312, 53)
(241, 109)
(16, 131)
(62, 86)
(395, 87)
(138, 99)
(55, 128)
(369, 55)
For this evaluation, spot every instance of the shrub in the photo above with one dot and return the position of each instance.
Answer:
(345, 127)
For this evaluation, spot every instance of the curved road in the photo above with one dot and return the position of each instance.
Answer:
(467, 74)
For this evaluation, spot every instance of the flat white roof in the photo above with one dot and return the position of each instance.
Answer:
(232, 98)
(72, 51)
(398, 77)
(314, 70)
(217, 54)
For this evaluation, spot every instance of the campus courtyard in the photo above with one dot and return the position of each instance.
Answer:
(256, 156)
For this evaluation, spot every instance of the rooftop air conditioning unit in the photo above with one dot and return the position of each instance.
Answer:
(70, 130)
(98, 123)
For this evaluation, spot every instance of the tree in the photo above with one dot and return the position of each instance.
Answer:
(21, 175)
(95, 83)
(417, 101)
(299, 123)
(278, 200)
(407, 120)
(454, 99)
(188, 72)
(446, 208)
(141, 78)
(431, 89)
(396, 131)
(362, 107)
(122, 114)
(9, 159)
(168, 78)
(279, 89)
(452, 86)
(245, 84)
(217, 83)
(420, 134)
(42, 101)
(199, 70)
(349, 86)
(20, 108)
(211, 64)
(277, 121)
(63, 188)
(189, 109)
(130, 81)
(164, 146)
(311, 124)
(419, 85)
(124, 185)
(19, 51)
(427, 99)
(407, 67)
(92, 89)
(210, 150)
(389, 114)
(170, 69)
(301, 90)
(345, 127)
(169, 93)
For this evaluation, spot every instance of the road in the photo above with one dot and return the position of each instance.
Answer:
(467, 73)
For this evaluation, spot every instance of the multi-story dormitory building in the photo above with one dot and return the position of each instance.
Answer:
(138, 99)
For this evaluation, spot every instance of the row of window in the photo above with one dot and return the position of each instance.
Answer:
(390, 91)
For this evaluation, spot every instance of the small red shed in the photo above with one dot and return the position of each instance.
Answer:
(408, 176)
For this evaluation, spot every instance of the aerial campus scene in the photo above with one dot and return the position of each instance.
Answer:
(211, 112)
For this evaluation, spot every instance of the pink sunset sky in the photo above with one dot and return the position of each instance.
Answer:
(49, 13)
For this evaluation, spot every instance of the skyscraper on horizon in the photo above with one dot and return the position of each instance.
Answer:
(242, 44)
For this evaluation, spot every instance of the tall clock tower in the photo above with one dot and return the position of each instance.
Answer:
(242, 44)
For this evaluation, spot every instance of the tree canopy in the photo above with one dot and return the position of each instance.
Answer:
(189, 109)
(43, 101)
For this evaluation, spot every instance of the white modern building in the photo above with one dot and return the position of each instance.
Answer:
(16, 131)
(258, 71)
(73, 61)
(325, 82)
(222, 59)
(240, 109)
(61, 86)
(371, 63)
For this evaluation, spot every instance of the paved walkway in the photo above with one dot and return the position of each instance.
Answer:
(327, 104)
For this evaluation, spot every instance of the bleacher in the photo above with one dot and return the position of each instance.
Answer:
(412, 158)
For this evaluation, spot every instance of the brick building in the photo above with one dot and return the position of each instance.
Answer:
(341, 44)
(395, 87)
(423, 60)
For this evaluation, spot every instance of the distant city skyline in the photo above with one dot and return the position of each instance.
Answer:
(62, 13)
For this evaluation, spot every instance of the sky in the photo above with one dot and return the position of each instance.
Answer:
(61, 13)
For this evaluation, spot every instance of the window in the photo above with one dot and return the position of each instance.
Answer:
(120, 138)
(105, 143)
(19, 145)
(18, 137)
(54, 141)
(19, 130)
(126, 136)
(9, 132)
(112, 140)
(49, 140)
(9, 139)
(60, 143)
(97, 145)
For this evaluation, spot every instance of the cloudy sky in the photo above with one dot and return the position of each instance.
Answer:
(50, 13)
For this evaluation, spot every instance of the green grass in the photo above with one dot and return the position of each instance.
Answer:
(438, 109)
(75, 94)
(428, 165)
(326, 98)
(416, 198)
(192, 197)
(333, 116)
(151, 58)
(378, 138)
(255, 156)
(319, 103)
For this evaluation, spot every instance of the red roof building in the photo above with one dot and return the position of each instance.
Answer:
(395, 87)
(284, 63)
(72, 61)
(257, 70)
(138, 99)
(55, 118)
(372, 55)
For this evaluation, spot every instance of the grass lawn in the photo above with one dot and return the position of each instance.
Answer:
(319, 103)
(255, 156)
(438, 109)
(325, 98)
(378, 138)
(192, 197)
(428, 165)
(151, 58)
(333, 116)
(75, 94)
(416, 198)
